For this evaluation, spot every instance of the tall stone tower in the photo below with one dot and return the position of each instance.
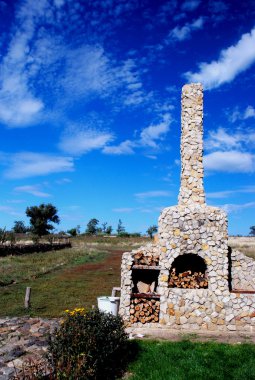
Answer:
(192, 171)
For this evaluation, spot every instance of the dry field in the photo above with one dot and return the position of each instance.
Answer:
(244, 244)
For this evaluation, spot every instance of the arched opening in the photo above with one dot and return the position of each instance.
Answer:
(188, 271)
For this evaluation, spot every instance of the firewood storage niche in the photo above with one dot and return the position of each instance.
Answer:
(145, 304)
(188, 271)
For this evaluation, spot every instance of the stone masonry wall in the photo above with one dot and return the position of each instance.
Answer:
(192, 171)
(193, 228)
(242, 271)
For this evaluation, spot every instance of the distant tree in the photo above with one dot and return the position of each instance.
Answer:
(120, 227)
(152, 230)
(104, 227)
(19, 227)
(108, 230)
(72, 232)
(92, 227)
(252, 231)
(3, 235)
(135, 234)
(40, 216)
(78, 229)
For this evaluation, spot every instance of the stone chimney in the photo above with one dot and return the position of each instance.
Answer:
(192, 171)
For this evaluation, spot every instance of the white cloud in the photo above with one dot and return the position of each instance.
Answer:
(236, 114)
(229, 208)
(231, 162)
(124, 209)
(221, 139)
(184, 32)
(153, 194)
(19, 106)
(37, 58)
(232, 61)
(249, 112)
(149, 138)
(220, 194)
(10, 211)
(229, 193)
(62, 181)
(79, 140)
(32, 189)
(126, 147)
(190, 5)
(154, 132)
(27, 164)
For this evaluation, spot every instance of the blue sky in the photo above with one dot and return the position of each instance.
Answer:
(90, 107)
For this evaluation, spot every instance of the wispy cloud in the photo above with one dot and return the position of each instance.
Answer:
(19, 105)
(125, 147)
(232, 61)
(124, 209)
(63, 181)
(9, 210)
(230, 162)
(153, 194)
(190, 5)
(154, 132)
(27, 164)
(32, 189)
(230, 208)
(230, 151)
(236, 114)
(229, 193)
(222, 139)
(181, 33)
(85, 70)
(149, 137)
(79, 140)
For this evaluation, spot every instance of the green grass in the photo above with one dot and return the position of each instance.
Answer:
(160, 360)
(72, 277)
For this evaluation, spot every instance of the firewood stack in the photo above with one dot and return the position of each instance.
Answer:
(144, 310)
(141, 259)
(188, 280)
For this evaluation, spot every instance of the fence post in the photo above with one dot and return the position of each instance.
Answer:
(27, 298)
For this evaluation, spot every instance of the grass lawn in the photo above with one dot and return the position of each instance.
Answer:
(72, 277)
(161, 360)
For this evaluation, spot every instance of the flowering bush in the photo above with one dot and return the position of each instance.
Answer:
(88, 345)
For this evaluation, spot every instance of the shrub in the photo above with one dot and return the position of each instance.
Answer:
(124, 234)
(90, 345)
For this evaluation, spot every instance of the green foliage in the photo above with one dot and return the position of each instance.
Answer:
(92, 227)
(152, 230)
(40, 216)
(124, 234)
(108, 230)
(19, 227)
(120, 228)
(89, 346)
(3, 235)
(252, 231)
(72, 232)
(11, 237)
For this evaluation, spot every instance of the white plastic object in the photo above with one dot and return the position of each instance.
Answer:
(109, 304)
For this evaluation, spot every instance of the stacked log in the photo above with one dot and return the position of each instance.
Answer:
(144, 310)
(141, 259)
(188, 280)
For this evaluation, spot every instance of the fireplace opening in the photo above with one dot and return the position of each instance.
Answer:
(145, 280)
(188, 271)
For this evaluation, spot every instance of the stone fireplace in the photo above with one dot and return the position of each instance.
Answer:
(187, 279)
